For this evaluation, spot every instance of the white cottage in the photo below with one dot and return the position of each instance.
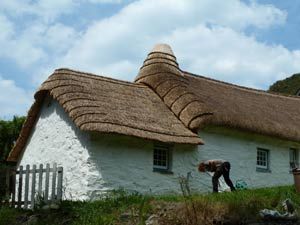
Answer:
(142, 136)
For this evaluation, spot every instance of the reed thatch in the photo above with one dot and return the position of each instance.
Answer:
(106, 105)
(248, 109)
(161, 73)
(198, 101)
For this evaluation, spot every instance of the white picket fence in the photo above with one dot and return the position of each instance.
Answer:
(34, 185)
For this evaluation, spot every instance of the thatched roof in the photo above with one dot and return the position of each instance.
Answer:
(248, 109)
(164, 104)
(198, 101)
(162, 74)
(106, 105)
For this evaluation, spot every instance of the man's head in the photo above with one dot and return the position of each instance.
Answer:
(201, 167)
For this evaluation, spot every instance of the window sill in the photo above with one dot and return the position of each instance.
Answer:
(261, 170)
(162, 171)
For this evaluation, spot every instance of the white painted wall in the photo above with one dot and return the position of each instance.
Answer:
(95, 163)
(55, 138)
(240, 149)
(127, 162)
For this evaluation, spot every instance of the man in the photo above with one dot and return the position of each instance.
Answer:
(219, 167)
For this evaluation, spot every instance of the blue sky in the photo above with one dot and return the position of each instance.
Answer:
(250, 43)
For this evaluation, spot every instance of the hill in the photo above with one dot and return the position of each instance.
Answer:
(290, 85)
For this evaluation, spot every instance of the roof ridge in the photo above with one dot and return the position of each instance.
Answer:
(100, 77)
(258, 91)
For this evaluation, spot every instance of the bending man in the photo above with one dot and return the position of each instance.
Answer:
(219, 167)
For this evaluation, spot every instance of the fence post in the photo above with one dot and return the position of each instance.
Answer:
(26, 186)
(20, 187)
(47, 183)
(40, 180)
(33, 186)
(59, 183)
(53, 192)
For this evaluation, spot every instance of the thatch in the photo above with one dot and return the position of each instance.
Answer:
(106, 105)
(248, 109)
(198, 101)
(161, 73)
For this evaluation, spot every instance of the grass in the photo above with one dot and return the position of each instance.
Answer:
(124, 208)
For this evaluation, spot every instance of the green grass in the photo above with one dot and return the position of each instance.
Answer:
(240, 205)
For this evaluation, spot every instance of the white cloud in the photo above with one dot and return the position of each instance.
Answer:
(35, 44)
(7, 28)
(47, 10)
(228, 55)
(13, 99)
(206, 35)
(13, 46)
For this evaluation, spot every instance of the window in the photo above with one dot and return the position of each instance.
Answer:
(294, 158)
(162, 158)
(262, 160)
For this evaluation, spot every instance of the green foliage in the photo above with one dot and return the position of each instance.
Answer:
(289, 85)
(9, 132)
(7, 216)
(106, 211)
(237, 206)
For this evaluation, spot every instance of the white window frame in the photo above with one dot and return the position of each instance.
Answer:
(159, 151)
(294, 157)
(263, 156)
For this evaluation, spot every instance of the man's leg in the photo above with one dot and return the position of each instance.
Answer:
(215, 179)
(226, 170)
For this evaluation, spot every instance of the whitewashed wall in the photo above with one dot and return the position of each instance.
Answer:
(240, 148)
(55, 138)
(127, 162)
(95, 163)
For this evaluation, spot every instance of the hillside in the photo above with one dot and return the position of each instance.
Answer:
(290, 85)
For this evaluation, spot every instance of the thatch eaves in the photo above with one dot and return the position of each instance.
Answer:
(107, 105)
(248, 109)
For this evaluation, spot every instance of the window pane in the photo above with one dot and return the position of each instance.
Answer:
(160, 157)
(262, 158)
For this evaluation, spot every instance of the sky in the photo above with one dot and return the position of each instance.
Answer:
(245, 42)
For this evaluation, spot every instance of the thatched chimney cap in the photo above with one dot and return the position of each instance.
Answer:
(162, 74)
(163, 48)
(160, 59)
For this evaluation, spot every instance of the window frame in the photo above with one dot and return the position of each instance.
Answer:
(295, 160)
(263, 168)
(167, 149)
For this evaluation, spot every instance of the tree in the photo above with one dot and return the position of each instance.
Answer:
(9, 132)
(290, 85)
